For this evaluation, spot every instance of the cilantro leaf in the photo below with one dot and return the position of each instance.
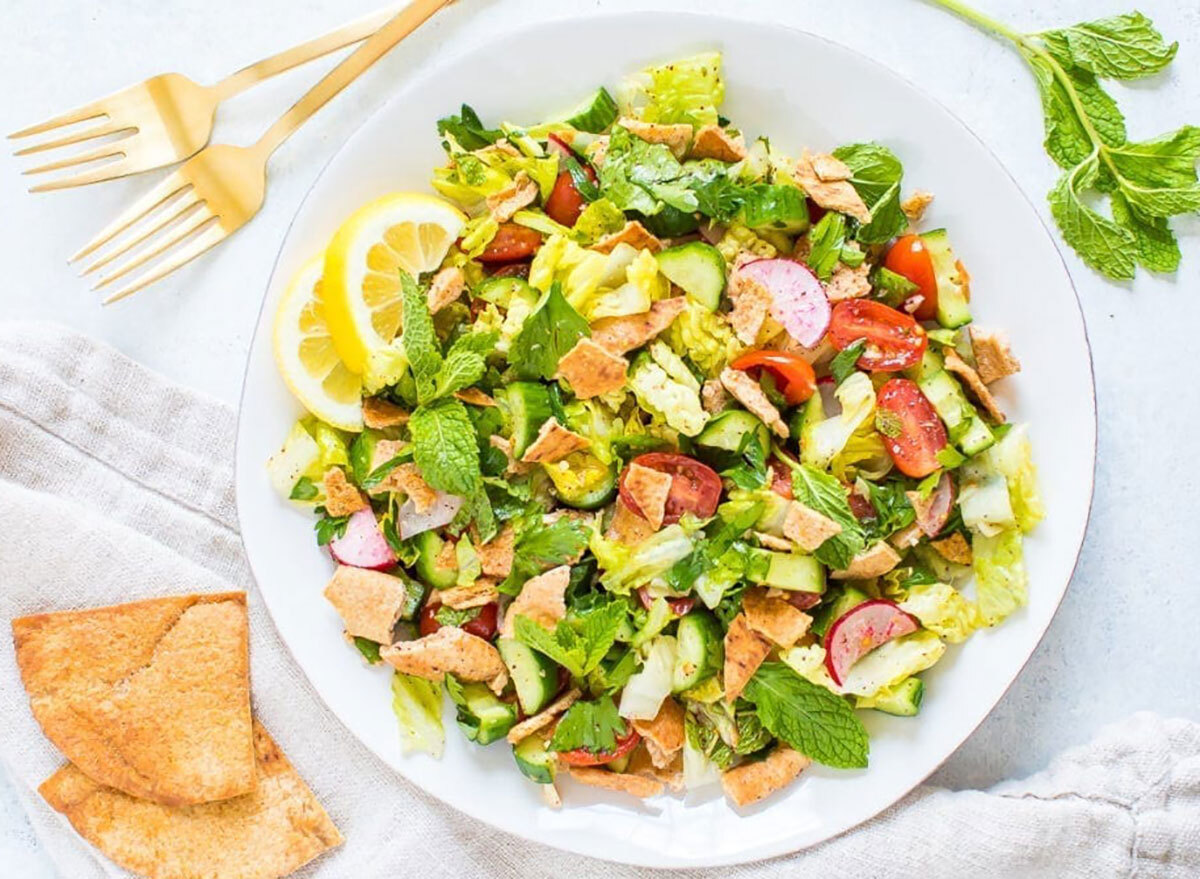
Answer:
(444, 447)
(875, 173)
(846, 361)
(468, 129)
(579, 642)
(823, 493)
(592, 726)
(809, 718)
(1121, 47)
(550, 331)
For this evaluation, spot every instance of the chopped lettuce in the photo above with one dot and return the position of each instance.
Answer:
(823, 439)
(640, 176)
(666, 388)
(890, 663)
(385, 367)
(417, 704)
(942, 609)
(586, 275)
(644, 693)
(643, 285)
(600, 218)
(985, 503)
(1012, 457)
(298, 456)
(1000, 577)
(468, 180)
(626, 568)
(705, 337)
(688, 90)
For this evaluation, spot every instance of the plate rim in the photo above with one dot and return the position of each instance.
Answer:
(426, 73)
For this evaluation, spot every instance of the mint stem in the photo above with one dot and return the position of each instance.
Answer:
(980, 20)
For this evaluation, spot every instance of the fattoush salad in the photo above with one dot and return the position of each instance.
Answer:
(663, 453)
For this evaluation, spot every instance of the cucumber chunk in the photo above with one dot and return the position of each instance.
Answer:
(429, 548)
(786, 570)
(721, 438)
(595, 114)
(528, 408)
(482, 716)
(535, 760)
(700, 650)
(586, 483)
(902, 700)
(534, 676)
(698, 269)
(952, 310)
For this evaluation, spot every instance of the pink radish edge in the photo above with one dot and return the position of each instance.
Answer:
(798, 299)
(362, 545)
(860, 630)
(934, 512)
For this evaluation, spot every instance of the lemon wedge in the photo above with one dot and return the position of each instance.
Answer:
(307, 358)
(403, 231)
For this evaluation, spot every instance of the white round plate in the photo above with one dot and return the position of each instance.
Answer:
(801, 91)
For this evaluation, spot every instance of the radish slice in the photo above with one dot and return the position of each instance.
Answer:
(798, 300)
(934, 511)
(442, 512)
(860, 630)
(363, 544)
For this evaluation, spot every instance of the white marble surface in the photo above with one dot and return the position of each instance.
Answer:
(1125, 638)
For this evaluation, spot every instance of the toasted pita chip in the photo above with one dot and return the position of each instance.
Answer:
(341, 498)
(750, 394)
(770, 541)
(634, 234)
(477, 594)
(409, 480)
(385, 450)
(954, 548)
(914, 206)
(623, 782)
(380, 413)
(649, 490)
(591, 369)
(621, 334)
(714, 142)
(542, 599)
(808, 528)
(522, 193)
(848, 283)
(993, 357)
(369, 602)
(874, 561)
(496, 556)
(628, 527)
(515, 467)
(452, 650)
(543, 718)
(675, 137)
(751, 307)
(446, 286)
(271, 832)
(745, 651)
(907, 538)
(474, 397)
(751, 782)
(713, 397)
(641, 763)
(554, 442)
(821, 177)
(663, 736)
(774, 618)
(975, 385)
(151, 698)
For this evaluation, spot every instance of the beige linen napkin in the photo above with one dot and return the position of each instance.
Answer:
(117, 485)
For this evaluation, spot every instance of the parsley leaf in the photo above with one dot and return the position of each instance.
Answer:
(826, 239)
(751, 470)
(468, 129)
(846, 360)
(328, 527)
(592, 726)
(444, 447)
(547, 334)
(875, 173)
(816, 722)
(579, 642)
(827, 496)
(304, 490)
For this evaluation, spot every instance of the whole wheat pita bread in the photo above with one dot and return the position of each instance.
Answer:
(151, 698)
(270, 832)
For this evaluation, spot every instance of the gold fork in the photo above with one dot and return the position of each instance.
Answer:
(167, 118)
(217, 191)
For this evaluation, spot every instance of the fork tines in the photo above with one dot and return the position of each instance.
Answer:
(110, 153)
(164, 229)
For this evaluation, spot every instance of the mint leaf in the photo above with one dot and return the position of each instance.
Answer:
(845, 361)
(826, 239)
(750, 472)
(1168, 160)
(444, 447)
(465, 363)
(1122, 47)
(419, 340)
(468, 130)
(809, 718)
(823, 493)
(547, 334)
(876, 174)
(1157, 249)
(1099, 241)
(593, 726)
(579, 642)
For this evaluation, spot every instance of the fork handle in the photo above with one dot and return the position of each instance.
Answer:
(376, 46)
(315, 48)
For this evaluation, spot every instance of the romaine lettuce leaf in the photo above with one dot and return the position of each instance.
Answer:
(705, 337)
(942, 609)
(417, 704)
(824, 439)
(1012, 457)
(627, 568)
(644, 693)
(665, 388)
(688, 90)
(1000, 577)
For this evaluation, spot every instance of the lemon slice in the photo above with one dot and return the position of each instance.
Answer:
(403, 231)
(307, 358)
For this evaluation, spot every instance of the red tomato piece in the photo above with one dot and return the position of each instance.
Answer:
(511, 243)
(695, 487)
(584, 757)
(861, 507)
(679, 606)
(484, 624)
(912, 432)
(909, 257)
(566, 203)
(895, 341)
(511, 270)
(794, 376)
(781, 478)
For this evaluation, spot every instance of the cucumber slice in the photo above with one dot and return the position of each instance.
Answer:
(414, 596)
(700, 650)
(534, 676)
(825, 615)
(902, 700)
(482, 717)
(698, 269)
(429, 547)
(952, 310)
(595, 114)
(535, 760)
(965, 427)
(528, 408)
(586, 483)
(721, 438)
(500, 291)
(786, 570)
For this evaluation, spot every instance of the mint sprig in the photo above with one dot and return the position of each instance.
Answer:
(1146, 182)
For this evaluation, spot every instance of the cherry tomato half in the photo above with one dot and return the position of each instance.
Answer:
(511, 270)
(584, 757)
(695, 487)
(794, 376)
(912, 432)
(512, 242)
(895, 341)
(679, 606)
(909, 257)
(483, 626)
